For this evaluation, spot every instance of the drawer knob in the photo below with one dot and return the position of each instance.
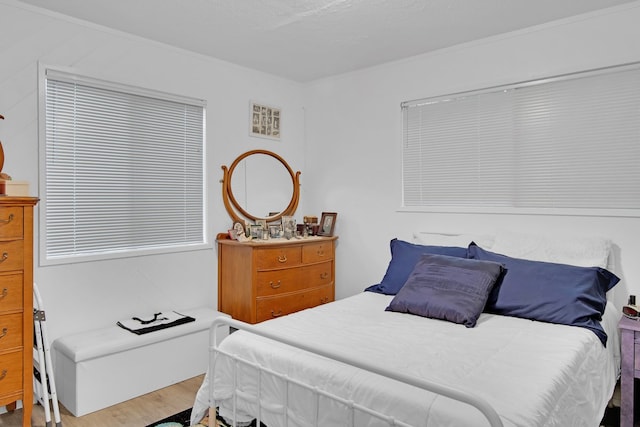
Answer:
(324, 300)
(282, 258)
(4, 293)
(4, 257)
(3, 374)
(4, 333)
(324, 275)
(320, 253)
(8, 220)
(275, 285)
(274, 314)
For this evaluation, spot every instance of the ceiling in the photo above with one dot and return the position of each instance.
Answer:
(304, 40)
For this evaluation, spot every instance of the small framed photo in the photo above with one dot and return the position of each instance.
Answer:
(262, 223)
(264, 121)
(239, 230)
(289, 227)
(275, 231)
(327, 224)
(256, 231)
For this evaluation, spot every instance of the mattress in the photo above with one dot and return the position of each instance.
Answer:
(532, 373)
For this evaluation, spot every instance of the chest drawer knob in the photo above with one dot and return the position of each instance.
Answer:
(4, 293)
(324, 275)
(4, 257)
(275, 285)
(3, 374)
(276, 314)
(4, 333)
(282, 258)
(8, 220)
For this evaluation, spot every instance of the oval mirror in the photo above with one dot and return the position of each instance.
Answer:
(260, 185)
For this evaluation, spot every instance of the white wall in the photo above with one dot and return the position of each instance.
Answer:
(354, 130)
(87, 295)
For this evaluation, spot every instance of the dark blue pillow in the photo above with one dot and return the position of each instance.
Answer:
(447, 288)
(405, 256)
(548, 292)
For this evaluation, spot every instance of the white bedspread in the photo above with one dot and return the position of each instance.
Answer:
(532, 373)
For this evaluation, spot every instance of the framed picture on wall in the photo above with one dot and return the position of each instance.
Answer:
(327, 223)
(264, 121)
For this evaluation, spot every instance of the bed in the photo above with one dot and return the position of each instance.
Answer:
(514, 369)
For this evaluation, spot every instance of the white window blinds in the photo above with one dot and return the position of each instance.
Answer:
(123, 169)
(564, 143)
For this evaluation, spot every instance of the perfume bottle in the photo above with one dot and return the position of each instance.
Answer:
(631, 310)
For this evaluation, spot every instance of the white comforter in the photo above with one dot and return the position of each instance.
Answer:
(532, 373)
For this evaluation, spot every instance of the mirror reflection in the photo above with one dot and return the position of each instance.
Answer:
(261, 185)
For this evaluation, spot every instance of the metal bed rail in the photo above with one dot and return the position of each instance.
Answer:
(476, 401)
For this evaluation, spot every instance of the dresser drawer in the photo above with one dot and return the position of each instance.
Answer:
(317, 274)
(11, 255)
(259, 280)
(11, 372)
(10, 331)
(10, 292)
(272, 307)
(276, 282)
(287, 256)
(317, 252)
(11, 222)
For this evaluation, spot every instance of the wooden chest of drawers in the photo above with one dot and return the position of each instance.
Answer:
(262, 280)
(16, 303)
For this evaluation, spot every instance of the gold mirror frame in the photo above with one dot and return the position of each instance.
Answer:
(232, 205)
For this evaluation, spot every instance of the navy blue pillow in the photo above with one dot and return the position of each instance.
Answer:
(447, 288)
(404, 257)
(548, 292)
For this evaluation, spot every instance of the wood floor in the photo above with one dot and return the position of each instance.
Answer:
(137, 412)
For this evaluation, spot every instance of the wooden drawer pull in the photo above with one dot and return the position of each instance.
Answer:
(8, 220)
(4, 333)
(4, 257)
(275, 285)
(324, 275)
(320, 253)
(324, 300)
(4, 293)
(282, 258)
(3, 374)
(274, 314)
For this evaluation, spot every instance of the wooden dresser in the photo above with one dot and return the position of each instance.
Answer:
(16, 303)
(261, 280)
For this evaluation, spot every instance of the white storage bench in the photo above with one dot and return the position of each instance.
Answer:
(99, 368)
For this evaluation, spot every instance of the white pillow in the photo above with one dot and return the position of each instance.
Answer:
(485, 241)
(582, 251)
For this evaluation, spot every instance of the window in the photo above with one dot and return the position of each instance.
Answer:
(123, 170)
(568, 144)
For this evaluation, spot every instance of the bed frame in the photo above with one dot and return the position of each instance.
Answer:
(479, 403)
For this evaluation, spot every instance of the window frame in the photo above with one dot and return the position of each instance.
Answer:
(571, 211)
(44, 258)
